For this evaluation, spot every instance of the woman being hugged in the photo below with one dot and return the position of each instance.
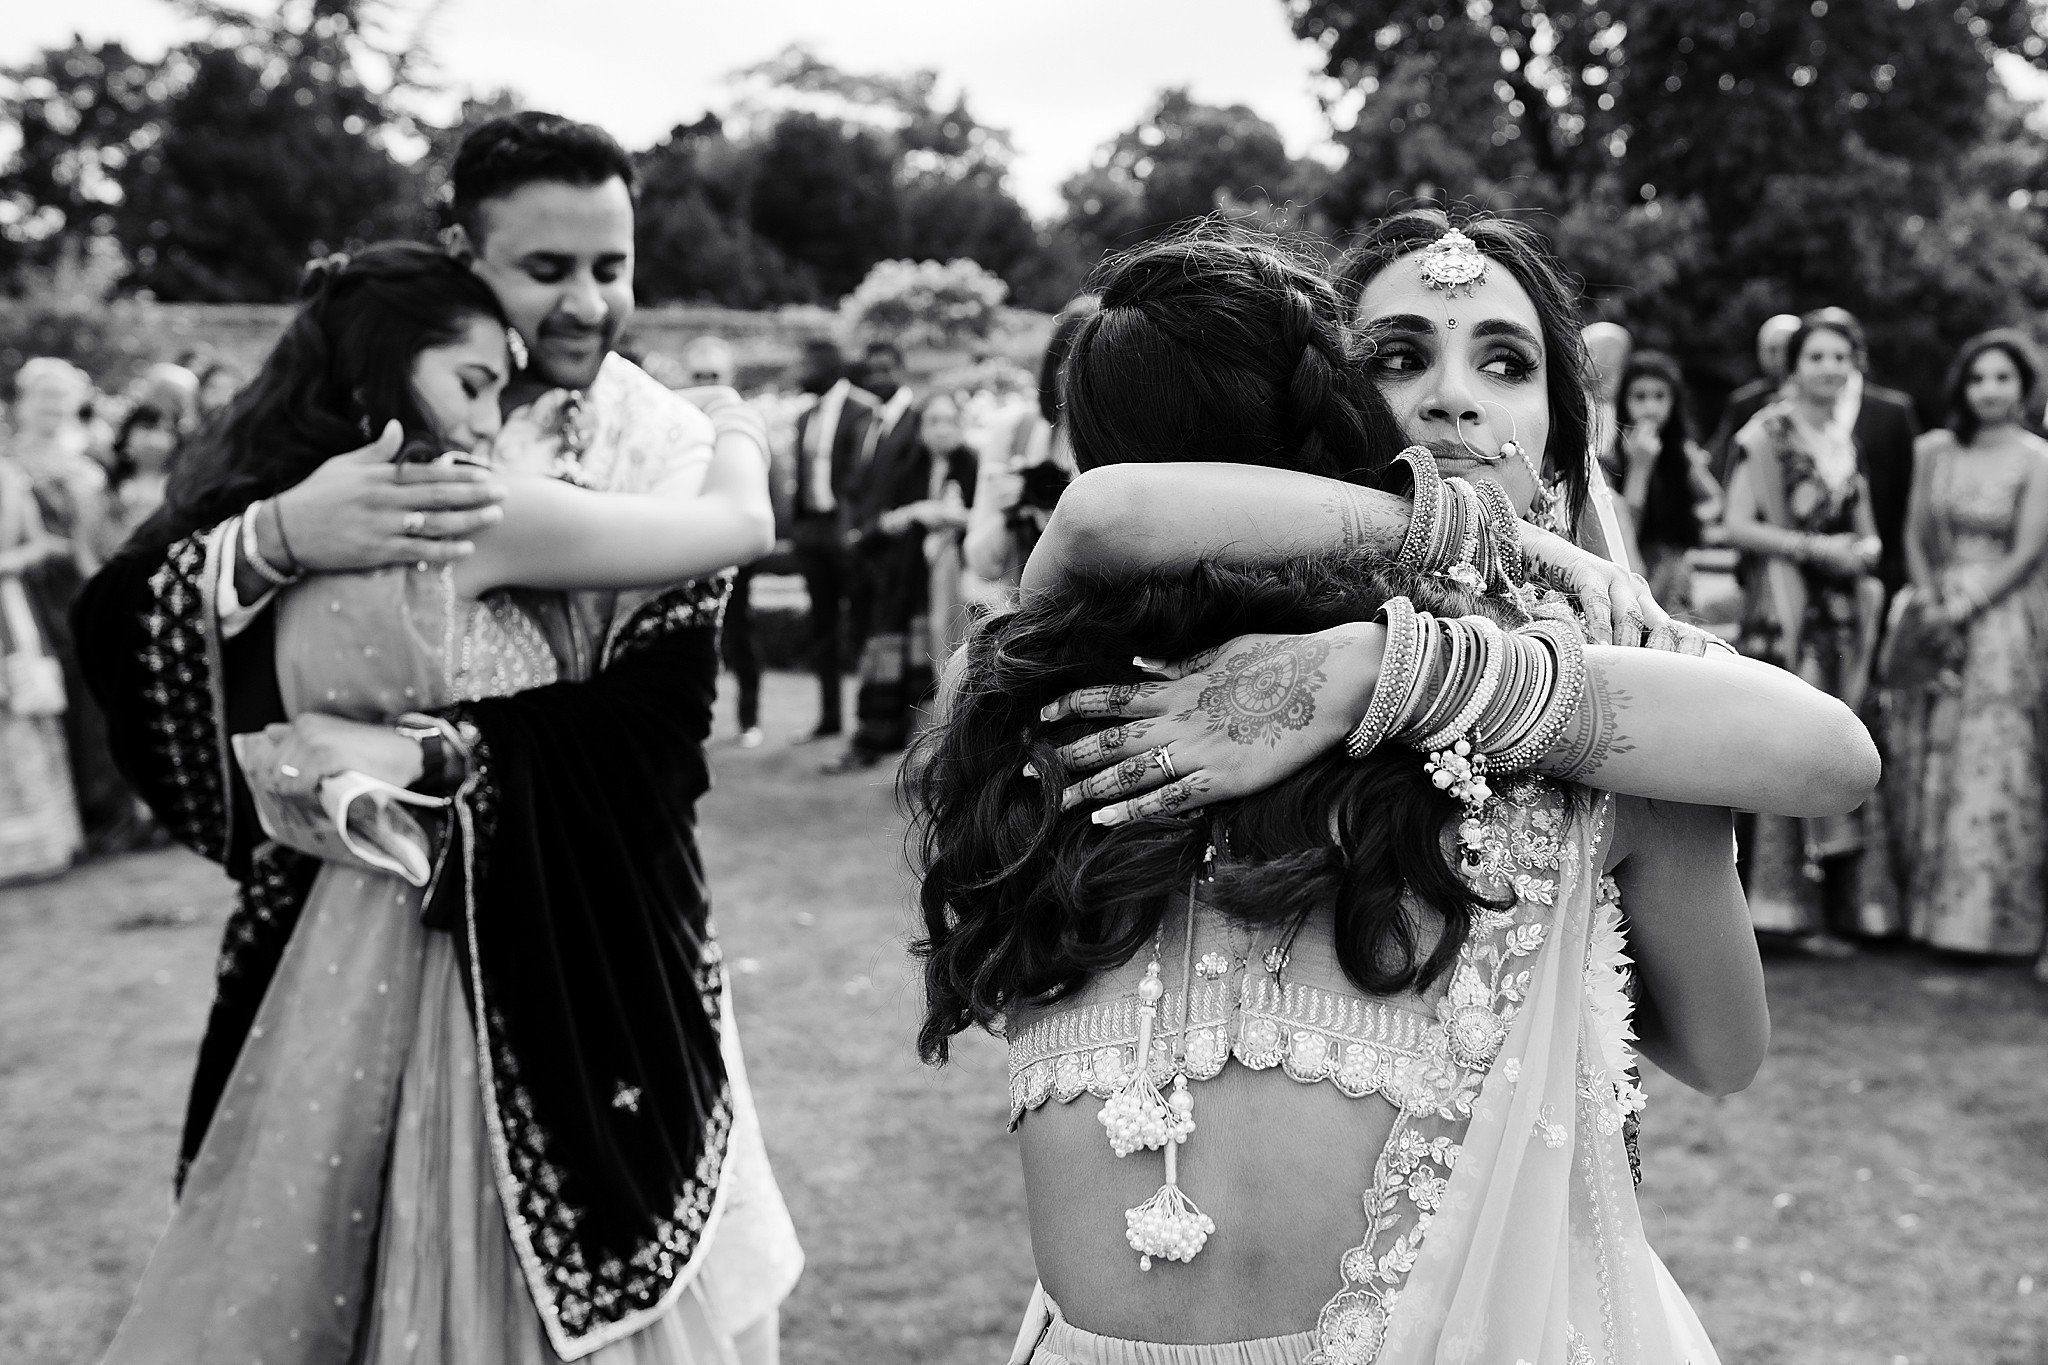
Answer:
(1283, 881)
(406, 1113)
(1799, 511)
(1968, 750)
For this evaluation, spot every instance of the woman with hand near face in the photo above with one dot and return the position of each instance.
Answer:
(1662, 473)
(1969, 753)
(348, 1192)
(1799, 510)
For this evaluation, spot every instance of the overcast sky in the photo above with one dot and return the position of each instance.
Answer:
(1061, 75)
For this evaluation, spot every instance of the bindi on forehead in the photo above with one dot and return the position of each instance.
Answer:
(1399, 291)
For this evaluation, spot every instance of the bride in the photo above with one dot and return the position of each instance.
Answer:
(1429, 952)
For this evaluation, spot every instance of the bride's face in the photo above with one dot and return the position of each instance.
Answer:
(1470, 369)
(458, 385)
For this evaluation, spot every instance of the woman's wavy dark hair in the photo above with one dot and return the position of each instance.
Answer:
(343, 368)
(1217, 347)
(1962, 418)
(1223, 345)
(1022, 903)
(1670, 516)
(1526, 256)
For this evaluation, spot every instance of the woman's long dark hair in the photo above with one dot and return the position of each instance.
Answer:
(1670, 516)
(1202, 351)
(1223, 346)
(1962, 418)
(1525, 255)
(340, 372)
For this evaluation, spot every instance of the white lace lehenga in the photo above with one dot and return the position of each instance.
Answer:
(343, 1208)
(1501, 1223)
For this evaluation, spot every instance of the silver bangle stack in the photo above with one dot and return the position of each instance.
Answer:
(1464, 532)
(1478, 700)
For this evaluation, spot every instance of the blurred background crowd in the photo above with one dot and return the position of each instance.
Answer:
(1853, 492)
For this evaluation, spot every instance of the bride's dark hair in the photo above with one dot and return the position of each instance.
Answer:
(340, 372)
(1021, 903)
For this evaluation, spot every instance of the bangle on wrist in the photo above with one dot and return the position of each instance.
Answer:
(284, 542)
(253, 552)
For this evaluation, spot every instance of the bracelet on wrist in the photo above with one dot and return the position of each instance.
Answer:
(252, 551)
(284, 542)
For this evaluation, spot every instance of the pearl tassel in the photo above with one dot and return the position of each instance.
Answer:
(1137, 1117)
(1169, 1224)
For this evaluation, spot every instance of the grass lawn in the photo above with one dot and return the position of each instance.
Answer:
(1880, 1194)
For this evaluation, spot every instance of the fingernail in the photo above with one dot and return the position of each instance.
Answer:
(464, 547)
(1049, 711)
(1108, 815)
(493, 515)
(1070, 798)
(1030, 770)
(1149, 665)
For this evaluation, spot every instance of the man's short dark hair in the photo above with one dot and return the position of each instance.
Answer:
(882, 347)
(521, 149)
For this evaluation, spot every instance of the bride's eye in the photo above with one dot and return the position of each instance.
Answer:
(1398, 357)
(1510, 365)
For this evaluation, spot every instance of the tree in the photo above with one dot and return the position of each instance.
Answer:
(1184, 160)
(274, 149)
(81, 113)
(1708, 163)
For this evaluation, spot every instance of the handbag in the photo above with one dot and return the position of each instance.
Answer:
(1922, 647)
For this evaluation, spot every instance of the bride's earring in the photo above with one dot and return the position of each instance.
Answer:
(516, 344)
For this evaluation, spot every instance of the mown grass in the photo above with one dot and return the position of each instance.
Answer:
(1880, 1194)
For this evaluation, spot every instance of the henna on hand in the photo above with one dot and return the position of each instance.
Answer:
(1266, 689)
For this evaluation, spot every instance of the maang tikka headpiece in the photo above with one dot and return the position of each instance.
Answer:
(1452, 263)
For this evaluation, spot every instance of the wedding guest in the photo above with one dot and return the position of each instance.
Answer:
(1883, 427)
(39, 829)
(831, 437)
(138, 470)
(219, 381)
(1968, 751)
(890, 516)
(707, 362)
(1662, 474)
(1024, 470)
(1800, 510)
(1608, 345)
(954, 468)
(68, 487)
(1747, 401)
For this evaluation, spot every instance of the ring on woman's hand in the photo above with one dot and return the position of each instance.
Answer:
(414, 523)
(287, 770)
(1164, 762)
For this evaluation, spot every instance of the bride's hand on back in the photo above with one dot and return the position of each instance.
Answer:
(1615, 604)
(1226, 723)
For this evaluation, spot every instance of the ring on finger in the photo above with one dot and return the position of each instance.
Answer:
(1164, 762)
(414, 523)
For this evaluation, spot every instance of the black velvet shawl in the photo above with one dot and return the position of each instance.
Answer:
(576, 892)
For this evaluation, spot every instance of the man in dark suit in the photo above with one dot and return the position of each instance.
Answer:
(889, 512)
(831, 446)
(1747, 401)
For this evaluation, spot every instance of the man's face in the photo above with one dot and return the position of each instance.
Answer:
(884, 371)
(560, 259)
(819, 369)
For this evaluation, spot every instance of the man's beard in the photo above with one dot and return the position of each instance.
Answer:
(579, 368)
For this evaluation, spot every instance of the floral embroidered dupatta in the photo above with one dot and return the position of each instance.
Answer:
(1535, 1254)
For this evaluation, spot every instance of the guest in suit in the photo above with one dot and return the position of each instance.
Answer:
(892, 510)
(1747, 401)
(831, 446)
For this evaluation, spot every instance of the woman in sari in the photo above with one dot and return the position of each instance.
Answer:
(1968, 777)
(1441, 977)
(39, 832)
(1799, 511)
(498, 1116)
